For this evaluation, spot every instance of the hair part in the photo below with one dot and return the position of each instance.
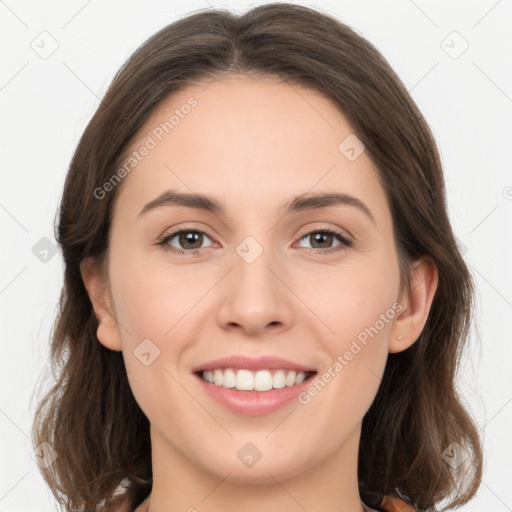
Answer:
(90, 416)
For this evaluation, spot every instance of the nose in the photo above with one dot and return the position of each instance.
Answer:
(254, 297)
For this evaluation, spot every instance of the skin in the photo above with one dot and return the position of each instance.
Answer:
(254, 144)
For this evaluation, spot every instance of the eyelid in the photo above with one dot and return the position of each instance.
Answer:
(187, 227)
(344, 237)
(335, 229)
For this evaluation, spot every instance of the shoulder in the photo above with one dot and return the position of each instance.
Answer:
(392, 504)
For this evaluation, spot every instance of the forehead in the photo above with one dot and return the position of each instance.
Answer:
(245, 139)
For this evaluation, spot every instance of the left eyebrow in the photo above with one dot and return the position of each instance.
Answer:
(298, 204)
(325, 199)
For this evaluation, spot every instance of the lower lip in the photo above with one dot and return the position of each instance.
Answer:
(253, 403)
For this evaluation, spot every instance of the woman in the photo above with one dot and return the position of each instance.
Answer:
(258, 368)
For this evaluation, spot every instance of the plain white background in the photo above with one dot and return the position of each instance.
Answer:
(47, 100)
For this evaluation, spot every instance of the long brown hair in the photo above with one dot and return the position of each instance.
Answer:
(90, 417)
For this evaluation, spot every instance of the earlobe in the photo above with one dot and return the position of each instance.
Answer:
(99, 295)
(416, 303)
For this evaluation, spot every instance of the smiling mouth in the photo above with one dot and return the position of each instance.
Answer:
(259, 381)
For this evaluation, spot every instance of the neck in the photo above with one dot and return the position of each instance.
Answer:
(329, 486)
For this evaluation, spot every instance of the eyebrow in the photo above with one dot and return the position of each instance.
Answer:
(298, 204)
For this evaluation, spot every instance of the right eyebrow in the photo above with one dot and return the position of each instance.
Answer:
(175, 198)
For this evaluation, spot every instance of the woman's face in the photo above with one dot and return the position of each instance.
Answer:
(261, 276)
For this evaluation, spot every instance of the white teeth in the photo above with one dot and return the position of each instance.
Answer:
(263, 381)
(290, 378)
(278, 380)
(229, 380)
(246, 380)
(301, 377)
(218, 377)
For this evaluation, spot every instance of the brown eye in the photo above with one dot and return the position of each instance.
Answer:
(184, 240)
(322, 240)
(190, 239)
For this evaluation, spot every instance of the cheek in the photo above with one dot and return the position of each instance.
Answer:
(350, 301)
(359, 306)
(159, 309)
(155, 308)
(153, 300)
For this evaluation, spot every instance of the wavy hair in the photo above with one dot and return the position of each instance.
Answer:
(89, 415)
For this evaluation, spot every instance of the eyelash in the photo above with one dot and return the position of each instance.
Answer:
(345, 242)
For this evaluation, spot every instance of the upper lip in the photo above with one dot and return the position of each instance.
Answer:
(253, 363)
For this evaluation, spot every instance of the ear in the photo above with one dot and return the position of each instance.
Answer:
(416, 302)
(99, 294)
